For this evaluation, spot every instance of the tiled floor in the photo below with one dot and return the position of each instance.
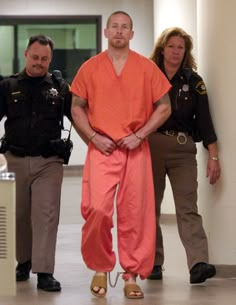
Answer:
(75, 277)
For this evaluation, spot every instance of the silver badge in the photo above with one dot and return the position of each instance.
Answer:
(185, 87)
(53, 92)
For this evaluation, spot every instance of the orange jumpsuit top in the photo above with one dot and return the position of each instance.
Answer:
(119, 105)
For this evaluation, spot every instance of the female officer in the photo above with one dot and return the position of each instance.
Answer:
(173, 150)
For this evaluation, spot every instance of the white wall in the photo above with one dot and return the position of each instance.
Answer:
(141, 12)
(182, 13)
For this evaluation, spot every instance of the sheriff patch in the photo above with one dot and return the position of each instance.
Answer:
(201, 88)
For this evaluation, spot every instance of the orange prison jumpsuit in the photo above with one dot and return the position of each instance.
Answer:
(117, 107)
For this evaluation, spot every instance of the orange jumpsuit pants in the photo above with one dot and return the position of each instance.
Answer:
(131, 172)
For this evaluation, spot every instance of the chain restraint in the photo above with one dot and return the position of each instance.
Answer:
(116, 280)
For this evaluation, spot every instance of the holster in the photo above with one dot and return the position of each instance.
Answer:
(62, 148)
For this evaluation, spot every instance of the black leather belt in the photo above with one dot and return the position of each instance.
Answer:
(181, 136)
(22, 152)
(19, 153)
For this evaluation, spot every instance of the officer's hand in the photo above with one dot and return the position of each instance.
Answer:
(213, 171)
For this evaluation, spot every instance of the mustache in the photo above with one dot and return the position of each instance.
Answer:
(37, 66)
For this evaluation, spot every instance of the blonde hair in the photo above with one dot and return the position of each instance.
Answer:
(157, 53)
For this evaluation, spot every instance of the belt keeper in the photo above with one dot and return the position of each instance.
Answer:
(92, 136)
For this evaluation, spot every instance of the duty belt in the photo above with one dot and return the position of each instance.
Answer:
(22, 152)
(181, 136)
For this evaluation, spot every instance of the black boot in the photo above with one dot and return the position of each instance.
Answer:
(156, 273)
(23, 271)
(201, 272)
(47, 282)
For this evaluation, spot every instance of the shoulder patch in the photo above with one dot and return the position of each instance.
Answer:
(201, 88)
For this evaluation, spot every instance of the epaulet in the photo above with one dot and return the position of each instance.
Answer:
(196, 76)
(14, 75)
(6, 78)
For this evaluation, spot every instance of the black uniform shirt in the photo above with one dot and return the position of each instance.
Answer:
(190, 107)
(33, 107)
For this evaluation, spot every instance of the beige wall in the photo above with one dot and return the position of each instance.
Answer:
(217, 43)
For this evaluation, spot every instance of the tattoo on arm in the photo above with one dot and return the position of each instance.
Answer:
(78, 101)
(164, 100)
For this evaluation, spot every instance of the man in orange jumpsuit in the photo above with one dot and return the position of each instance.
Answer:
(119, 98)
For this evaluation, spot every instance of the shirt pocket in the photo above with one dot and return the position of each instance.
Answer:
(16, 105)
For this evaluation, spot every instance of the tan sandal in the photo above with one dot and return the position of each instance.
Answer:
(100, 281)
(135, 289)
(132, 287)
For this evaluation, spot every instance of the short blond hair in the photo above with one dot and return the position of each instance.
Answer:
(120, 12)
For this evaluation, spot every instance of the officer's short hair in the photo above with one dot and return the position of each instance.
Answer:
(41, 39)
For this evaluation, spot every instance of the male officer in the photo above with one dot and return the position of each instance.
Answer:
(34, 102)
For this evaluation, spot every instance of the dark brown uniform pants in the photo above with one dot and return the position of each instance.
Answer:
(38, 192)
(178, 162)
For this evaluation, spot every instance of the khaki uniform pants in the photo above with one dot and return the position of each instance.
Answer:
(178, 162)
(38, 192)
(136, 229)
